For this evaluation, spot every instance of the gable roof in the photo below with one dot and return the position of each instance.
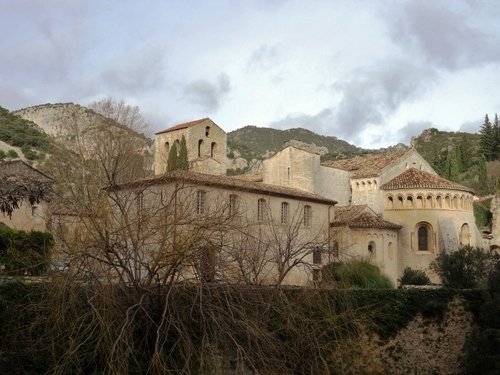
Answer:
(414, 178)
(360, 216)
(368, 166)
(223, 182)
(183, 125)
(15, 167)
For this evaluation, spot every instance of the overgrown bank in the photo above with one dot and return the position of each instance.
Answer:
(52, 328)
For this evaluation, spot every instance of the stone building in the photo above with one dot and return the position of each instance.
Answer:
(392, 208)
(206, 144)
(28, 216)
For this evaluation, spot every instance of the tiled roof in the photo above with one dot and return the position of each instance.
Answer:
(255, 177)
(182, 126)
(416, 179)
(368, 166)
(224, 182)
(357, 217)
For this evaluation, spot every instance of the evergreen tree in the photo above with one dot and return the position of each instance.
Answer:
(496, 138)
(451, 169)
(487, 143)
(173, 159)
(183, 162)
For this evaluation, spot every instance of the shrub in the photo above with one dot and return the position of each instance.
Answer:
(356, 273)
(413, 277)
(462, 269)
(12, 154)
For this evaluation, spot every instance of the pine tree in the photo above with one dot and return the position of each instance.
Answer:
(183, 163)
(487, 143)
(173, 159)
(496, 137)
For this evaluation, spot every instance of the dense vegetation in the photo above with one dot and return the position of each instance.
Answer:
(17, 132)
(25, 252)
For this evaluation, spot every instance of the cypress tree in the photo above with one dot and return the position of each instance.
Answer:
(482, 175)
(496, 138)
(183, 163)
(172, 162)
(487, 143)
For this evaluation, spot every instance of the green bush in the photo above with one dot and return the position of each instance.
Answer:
(462, 269)
(25, 252)
(356, 273)
(12, 154)
(413, 277)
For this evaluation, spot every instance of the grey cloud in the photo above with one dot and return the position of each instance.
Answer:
(141, 70)
(371, 95)
(413, 129)
(473, 126)
(443, 36)
(263, 58)
(206, 94)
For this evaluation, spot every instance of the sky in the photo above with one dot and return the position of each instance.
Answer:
(371, 72)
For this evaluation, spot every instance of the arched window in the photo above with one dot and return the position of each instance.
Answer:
(285, 212)
(167, 147)
(455, 203)
(465, 235)
(420, 202)
(307, 216)
(447, 202)
(409, 201)
(429, 202)
(400, 202)
(213, 149)
(372, 250)
(200, 147)
(390, 250)
(317, 252)
(177, 146)
(261, 209)
(207, 131)
(390, 202)
(439, 201)
(424, 237)
(200, 202)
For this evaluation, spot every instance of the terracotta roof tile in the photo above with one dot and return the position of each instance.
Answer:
(368, 166)
(255, 177)
(416, 179)
(358, 217)
(182, 126)
(223, 182)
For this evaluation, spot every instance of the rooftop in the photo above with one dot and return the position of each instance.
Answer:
(368, 166)
(416, 179)
(183, 125)
(360, 217)
(224, 182)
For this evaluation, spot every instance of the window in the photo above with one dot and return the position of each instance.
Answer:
(285, 208)
(317, 255)
(307, 216)
(372, 249)
(233, 205)
(390, 250)
(424, 234)
(423, 243)
(167, 147)
(200, 146)
(213, 149)
(207, 131)
(261, 209)
(200, 202)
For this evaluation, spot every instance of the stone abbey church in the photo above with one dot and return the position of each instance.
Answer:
(392, 208)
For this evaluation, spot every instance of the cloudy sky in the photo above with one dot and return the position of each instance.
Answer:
(371, 72)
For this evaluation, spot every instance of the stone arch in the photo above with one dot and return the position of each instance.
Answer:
(420, 201)
(409, 201)
(429, 201)
(177, 146)
(465, 239)
(375, 184)
(167, 147)
(439, 201)
(399, 202)
(454, 202)
(447, 201)
(390, 202)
